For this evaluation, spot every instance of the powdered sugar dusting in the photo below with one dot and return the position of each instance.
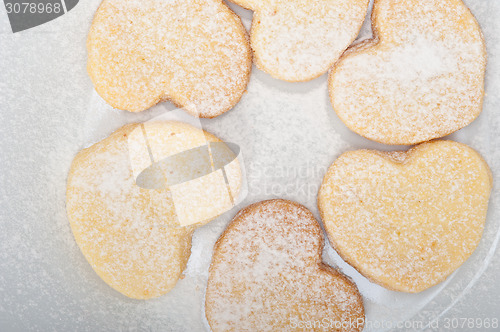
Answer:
(299, 40)
(421, 78)
(267, 273)
(194, 53)
(406, 223)
(129, 234)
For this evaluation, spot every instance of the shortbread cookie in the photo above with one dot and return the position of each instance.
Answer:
(406, 220)
(298, 40)
(421, 77)
(128, 234)
(267, 275)
(194, 53)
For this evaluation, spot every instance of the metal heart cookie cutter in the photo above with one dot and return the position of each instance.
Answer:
(203, 181)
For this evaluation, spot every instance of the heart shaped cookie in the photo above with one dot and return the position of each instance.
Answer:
(406, 220)
(267, 275)
(194, 53)
(421, 77)
(298, 40)
(128, 234)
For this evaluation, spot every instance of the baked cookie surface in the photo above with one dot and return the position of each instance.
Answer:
(299, 40)
(129, 234)
(194, 53)
(406, 220)
(267, 274)
(420, 78)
